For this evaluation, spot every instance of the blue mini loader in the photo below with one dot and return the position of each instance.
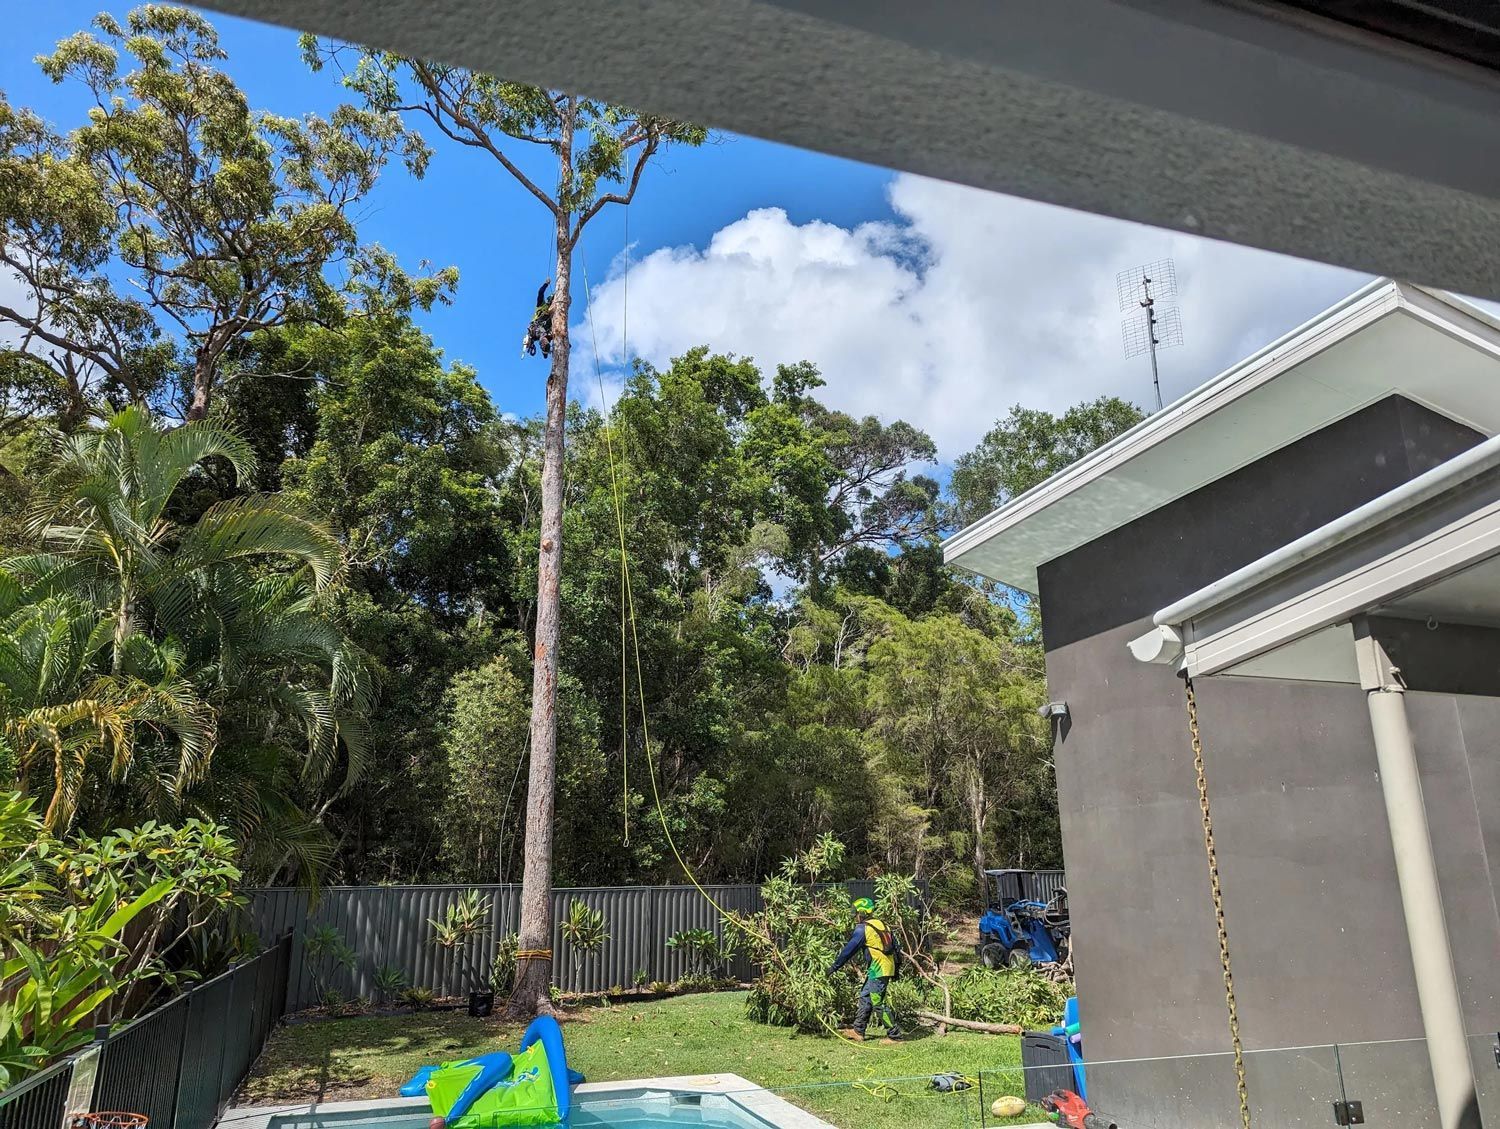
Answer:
(1019, 927)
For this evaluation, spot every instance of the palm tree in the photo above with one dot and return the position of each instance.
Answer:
(55, 707)
(102, 521)
(229, 612)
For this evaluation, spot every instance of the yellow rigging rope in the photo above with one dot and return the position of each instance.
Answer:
(627, 611)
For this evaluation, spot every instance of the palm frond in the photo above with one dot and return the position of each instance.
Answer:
(169, 456)
(259, 526)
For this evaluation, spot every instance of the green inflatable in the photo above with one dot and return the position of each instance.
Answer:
(495, 1091)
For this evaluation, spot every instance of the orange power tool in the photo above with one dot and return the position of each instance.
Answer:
(1073, 1112)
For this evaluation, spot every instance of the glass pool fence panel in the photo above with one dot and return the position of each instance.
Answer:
(1288, 1088)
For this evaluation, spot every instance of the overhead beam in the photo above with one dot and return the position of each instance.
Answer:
(1233, 121)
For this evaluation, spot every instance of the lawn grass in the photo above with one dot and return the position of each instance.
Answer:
(855, 1086)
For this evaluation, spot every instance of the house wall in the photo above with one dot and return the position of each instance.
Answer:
(1318, 941)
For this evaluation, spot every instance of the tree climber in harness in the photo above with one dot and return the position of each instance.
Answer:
(539, 332)
(884, 953)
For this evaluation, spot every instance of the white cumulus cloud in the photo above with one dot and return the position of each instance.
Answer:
(964, 304)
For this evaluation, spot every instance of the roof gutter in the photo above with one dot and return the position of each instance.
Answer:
(1476, 460)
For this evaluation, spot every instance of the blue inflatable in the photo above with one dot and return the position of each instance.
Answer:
(416, 1085)
(502, 1091)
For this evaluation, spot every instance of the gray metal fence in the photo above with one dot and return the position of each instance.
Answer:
(389, 926)
(1045, 883)
(179, 1065)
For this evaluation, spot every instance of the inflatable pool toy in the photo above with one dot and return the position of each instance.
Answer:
(499, 1090)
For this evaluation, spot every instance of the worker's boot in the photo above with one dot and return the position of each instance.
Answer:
(851, 1034)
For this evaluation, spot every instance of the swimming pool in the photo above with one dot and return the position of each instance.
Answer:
(719, 1101)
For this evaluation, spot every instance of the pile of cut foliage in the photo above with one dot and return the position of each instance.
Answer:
(805, 923)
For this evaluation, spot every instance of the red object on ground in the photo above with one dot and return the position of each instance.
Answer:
(436, 1123)
(1073, 1112)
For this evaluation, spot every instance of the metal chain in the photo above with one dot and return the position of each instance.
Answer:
(1218, 895)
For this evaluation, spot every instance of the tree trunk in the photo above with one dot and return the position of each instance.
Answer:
(530, 995)
(978, 807)
(203, 383)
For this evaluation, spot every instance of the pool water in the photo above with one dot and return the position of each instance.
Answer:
(653, 1110)
(650, 1109)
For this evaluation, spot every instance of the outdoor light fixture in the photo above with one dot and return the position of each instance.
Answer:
(1054, 709)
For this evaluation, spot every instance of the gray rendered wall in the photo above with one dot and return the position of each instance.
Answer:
(1317, 937)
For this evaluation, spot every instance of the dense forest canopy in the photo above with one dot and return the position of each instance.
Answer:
(269, 556)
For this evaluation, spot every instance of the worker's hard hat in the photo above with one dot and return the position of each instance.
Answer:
(864, 905)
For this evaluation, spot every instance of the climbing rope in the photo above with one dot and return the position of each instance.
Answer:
(879, 1090)
(624, 575)
(627, 613)
(1218, 896)
(627, 610)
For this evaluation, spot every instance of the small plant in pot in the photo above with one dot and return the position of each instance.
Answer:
(465, 921)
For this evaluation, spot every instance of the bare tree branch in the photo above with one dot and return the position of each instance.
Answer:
(481, 136)
(653, 142)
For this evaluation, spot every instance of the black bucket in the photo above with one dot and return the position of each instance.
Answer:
(482, 1003)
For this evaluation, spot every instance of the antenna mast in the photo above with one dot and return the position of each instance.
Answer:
(1148, 326)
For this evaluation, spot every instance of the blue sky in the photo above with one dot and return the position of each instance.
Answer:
(938, 303)
(467, 211)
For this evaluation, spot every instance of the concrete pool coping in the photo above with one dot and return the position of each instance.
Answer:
(749, 1096)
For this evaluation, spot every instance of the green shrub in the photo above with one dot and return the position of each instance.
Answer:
(466, 920)
(326, 953)
(705, 952)
(801, 930)
(63, 954)
(416, 998)
(503, 967)
(390, 981)
(954, 890)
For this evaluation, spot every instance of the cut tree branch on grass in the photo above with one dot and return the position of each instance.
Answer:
(941, 1021)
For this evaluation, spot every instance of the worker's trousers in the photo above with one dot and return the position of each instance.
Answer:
(872, 1000)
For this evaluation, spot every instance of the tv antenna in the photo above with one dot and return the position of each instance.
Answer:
(1149, 325)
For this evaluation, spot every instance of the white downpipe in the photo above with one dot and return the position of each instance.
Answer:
(1417, 877)
(1409, 494)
